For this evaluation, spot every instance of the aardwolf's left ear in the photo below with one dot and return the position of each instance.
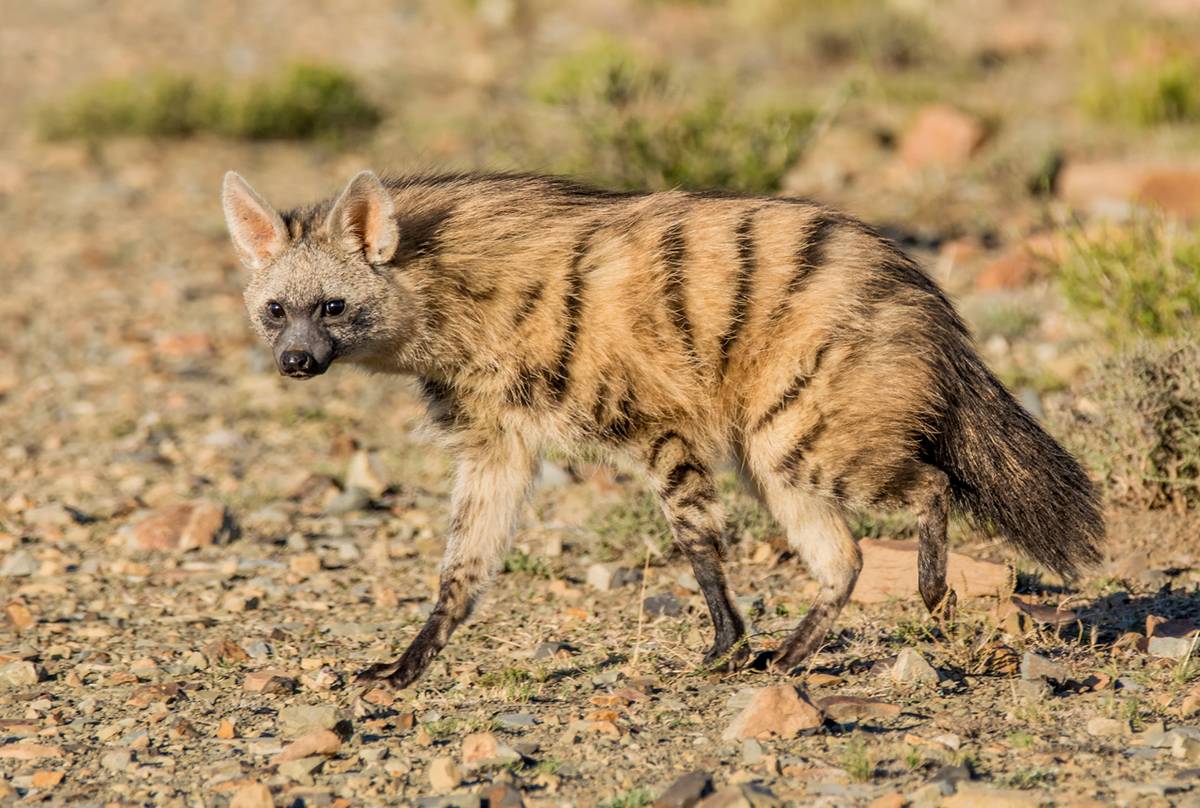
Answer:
(363, 219)
(258, 233)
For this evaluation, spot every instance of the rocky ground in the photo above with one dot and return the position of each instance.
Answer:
(196, 556)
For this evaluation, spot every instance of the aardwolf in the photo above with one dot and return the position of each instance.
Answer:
(677, 329)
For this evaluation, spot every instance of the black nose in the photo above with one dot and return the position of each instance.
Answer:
(297, 362)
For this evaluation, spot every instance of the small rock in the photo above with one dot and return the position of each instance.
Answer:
(348, 501)
(29, 751)
(553, 650)
(752, 752)
(481, 749)
(317, 742)
(1105, 727)
(516, 720)
(47, 778)
(1035, 667)
(186, 526)
(444, 774)
(893, 799)
(301, 769)
(366, 473)
(600, 576)
(942, 136)
(663, 605)
(501, 795)
(746, 795)
(687, 791)
(268, 681)
(299, 719)
(18, 564)
(912, 668)
(117, 760)
(1171, 647)
(846, 709)
(20, 673)
(226, 730)
(971, 795)
(784, 711)
(255, 795)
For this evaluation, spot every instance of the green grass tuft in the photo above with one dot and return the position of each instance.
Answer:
(1164, 94)
(634, 128)
(1136, 283)
(303, 102)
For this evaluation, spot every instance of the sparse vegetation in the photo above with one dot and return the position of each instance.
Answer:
(1160, 94)
(1139, 282)
(857, 761)
(303, 102)
(638, 129)
(1141, 426)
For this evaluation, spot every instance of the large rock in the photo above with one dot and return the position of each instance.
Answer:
(1113, 187)
(686, 791)
(184, 526)
(890, 572)
(783, 711)
(941, 136)
(910, 668)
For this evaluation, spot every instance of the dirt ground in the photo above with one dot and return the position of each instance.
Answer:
(130, 383)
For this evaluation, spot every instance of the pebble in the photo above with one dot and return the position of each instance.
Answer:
(663, 605)
(254, 795)
(1035, 667)
(1171, 647)
(911, 667)
(268, 681)
(552, 650)
(972, 795)
(118, 760)
(316, 742)
(687, 791)
(298, 719)
(444, 774)
(752, 752)
(302, 768)
(516, 720)
(18, 564)
(20, 673)
(1101, 727)
(482, 749)
(501, 795)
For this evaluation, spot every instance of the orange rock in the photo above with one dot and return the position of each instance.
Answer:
(29, 751)
(20, 616)
(226, 730)
(782, 711)
(185, 526)
(1113, 186)
(890, 571)
(253, 795)
(47, 778)
(1011, 270)
(941, 136)
(268, 681)
(319, 742)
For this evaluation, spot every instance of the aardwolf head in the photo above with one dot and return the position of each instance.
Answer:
(320, 285)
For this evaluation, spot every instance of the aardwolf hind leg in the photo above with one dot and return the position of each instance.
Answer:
(493, 482)
(817, 529)
(931, 496)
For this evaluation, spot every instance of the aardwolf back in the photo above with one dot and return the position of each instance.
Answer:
(676, 329)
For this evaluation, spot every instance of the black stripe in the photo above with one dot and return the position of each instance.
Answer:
(673, 249)
(521, 393)
(810, 257)
(838, 489)
(791, 461)
(623, 426)
(560, 377)
(747, 261)
(442, 402)
(529, 301)
(677, 475)
(793, 390)
(698, 499)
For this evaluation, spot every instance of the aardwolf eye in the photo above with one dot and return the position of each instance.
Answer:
(275, 310)
(334, 307)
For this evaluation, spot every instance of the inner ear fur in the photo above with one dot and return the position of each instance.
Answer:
(363, 220)
(258, 232)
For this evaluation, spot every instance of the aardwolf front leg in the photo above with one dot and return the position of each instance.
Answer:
(492, 484)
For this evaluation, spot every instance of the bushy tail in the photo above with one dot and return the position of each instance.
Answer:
(1007, 472)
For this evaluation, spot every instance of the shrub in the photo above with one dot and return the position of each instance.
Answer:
(303, 102)
(635, 129)
(1167, 93)
(1135, 283)
(1139, 426)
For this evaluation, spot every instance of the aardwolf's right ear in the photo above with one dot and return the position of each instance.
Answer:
(258, 233)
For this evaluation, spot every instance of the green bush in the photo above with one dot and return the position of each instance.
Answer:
(1139, 282)
(1139, 425)
(635, 128)
(1168, 93)
(303, 102)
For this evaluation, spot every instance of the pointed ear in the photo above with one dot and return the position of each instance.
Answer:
(363, 219)
(258, 233)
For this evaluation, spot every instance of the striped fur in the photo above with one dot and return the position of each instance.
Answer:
(674, 328)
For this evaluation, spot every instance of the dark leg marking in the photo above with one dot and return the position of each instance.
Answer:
(747, 263)
(529, 300)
